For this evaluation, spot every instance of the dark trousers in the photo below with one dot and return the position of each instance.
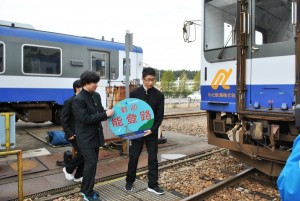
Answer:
(134, 152)
(76, 162)
(90, 156)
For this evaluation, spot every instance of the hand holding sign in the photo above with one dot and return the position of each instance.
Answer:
(109, 113)
(147, 132)
(132, 119)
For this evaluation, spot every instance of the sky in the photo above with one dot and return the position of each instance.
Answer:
(156, 25)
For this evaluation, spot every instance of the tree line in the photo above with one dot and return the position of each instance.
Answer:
(177, 83)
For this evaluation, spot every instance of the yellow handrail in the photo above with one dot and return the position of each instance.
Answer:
(17, 152)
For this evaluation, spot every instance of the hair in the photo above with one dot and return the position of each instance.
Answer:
(76, 84)
(88, 77)
(148, 71)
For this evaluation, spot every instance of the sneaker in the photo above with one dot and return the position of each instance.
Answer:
(87, 198)
(78, 179)
(96, 195)
(67, 175)
(128, 187)
(156, 190)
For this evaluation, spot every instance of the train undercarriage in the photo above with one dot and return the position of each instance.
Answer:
(261, 142)
(34, 112)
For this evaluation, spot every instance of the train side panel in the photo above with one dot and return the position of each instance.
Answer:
(38, 69)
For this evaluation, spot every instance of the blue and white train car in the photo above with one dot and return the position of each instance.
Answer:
(38, 68)
(250, 77)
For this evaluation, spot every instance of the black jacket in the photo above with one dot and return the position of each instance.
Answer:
(156, 100)
(67, 118)
(89, 113)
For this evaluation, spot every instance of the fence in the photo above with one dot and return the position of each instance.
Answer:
(180, 102)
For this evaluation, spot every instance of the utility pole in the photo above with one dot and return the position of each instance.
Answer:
(128, 48)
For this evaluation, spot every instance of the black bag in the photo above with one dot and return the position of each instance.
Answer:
(67, 156)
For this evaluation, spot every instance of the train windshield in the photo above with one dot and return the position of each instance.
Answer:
(272, 21)
(219, 24)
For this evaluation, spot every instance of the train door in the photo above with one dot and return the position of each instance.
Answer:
(99, 62)
(270, 72)
(218, 62)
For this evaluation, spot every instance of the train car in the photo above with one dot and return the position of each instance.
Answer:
(38, 68)
(250, 75)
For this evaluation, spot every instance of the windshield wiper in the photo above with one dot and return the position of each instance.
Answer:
(221, 53)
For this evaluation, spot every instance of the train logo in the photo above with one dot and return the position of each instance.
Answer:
(221, 78)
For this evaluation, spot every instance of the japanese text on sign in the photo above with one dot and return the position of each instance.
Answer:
(131, 118)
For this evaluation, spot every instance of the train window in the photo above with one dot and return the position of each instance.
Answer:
(220, 24)
(124, 66)
(99, 63)
(272, 21)
(2, 57)
(41, 60)
(258, 38)
(228, 34)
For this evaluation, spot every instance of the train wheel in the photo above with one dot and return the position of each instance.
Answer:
(56, 116)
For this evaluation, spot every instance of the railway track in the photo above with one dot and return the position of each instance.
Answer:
(184, 114)
(208, 192)
(71, 189)
(202, 195)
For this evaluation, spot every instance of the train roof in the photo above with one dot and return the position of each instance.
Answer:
(63, 38)
(16, 24)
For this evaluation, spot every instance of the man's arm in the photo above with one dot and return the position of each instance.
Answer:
(159, 113)
(65, 117)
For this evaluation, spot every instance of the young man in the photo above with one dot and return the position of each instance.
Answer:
(67, 120)
(89, 113)
(155, 99)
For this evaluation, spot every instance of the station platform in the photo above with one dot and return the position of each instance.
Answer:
(46, 175)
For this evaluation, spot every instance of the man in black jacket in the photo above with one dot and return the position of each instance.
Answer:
(89, 113)
(155, 99)
(67, 121)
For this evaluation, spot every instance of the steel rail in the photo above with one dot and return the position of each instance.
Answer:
(184, 114)
(208, 192)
